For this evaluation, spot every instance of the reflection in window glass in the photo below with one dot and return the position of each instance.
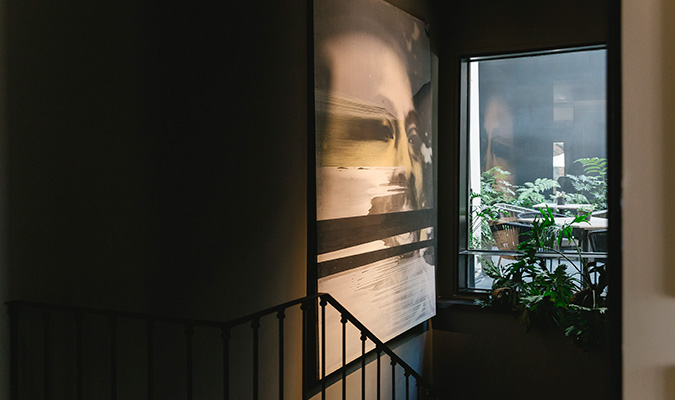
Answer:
(536, 135)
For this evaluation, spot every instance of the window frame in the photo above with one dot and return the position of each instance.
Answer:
(464, 285)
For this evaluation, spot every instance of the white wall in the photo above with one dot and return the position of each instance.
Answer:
(648, 58)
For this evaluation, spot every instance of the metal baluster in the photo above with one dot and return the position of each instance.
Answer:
(343, 321)
(363, 365)
(113, 357)
(407, 384)
(307, 372)
(189, 332)
(226, 361)
(255, 325)
(150, 329)
(323, 303)
(14, 352)
(45, 346)
(393, 379)
(281, 315)
(78, 353)
(379, 371)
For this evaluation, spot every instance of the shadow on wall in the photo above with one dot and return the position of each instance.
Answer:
(668, 120)
(669, 380)
(484, 354)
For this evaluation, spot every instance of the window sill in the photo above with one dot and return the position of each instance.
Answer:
(542, 254)
(463, 299)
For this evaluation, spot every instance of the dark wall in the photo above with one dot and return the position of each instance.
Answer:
(157, 150)
(79, 205)
(492, 355)
(157, 162)
(490, 26)
(480, 354)
(157, 154)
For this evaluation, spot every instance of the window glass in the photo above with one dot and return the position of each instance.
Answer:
(536, 136)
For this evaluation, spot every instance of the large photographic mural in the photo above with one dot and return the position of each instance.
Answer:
(375, 211)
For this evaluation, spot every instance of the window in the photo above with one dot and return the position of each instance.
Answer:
(533, 135)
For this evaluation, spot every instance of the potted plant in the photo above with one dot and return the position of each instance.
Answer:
(542, 293)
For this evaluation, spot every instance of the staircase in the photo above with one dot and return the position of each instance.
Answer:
(62, 352)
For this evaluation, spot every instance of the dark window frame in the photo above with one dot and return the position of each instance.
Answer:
(465, 277)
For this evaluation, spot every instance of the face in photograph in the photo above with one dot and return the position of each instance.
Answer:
(371, 120)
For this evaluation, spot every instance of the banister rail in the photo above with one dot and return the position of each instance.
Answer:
(161, 318)
(44, 355)
(379, 346)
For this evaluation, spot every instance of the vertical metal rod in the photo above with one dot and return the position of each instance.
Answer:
(255, 325)
(393, 379)
(363, 365)
(14, 352)
(407, 385)
(307, 377)
(226, 361)
(189, 332)
(343, 320)
(150, 328)
(113, 357)
(45, 347)
(281, 315)
(78, 354)
(323, 349)
(379, 369)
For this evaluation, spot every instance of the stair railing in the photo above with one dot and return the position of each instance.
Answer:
(423, 389)
(25, 377)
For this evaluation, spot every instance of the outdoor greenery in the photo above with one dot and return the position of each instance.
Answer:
(593, 183)
(495, 188)
(567, 294)
(532, 193)
(590, 187)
